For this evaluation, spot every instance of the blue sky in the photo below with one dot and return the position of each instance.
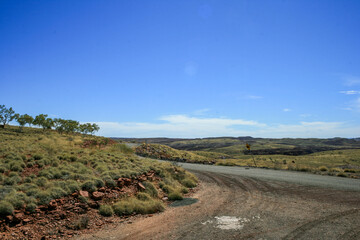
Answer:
(186, 68)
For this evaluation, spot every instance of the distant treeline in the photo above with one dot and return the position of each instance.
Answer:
(42, 120)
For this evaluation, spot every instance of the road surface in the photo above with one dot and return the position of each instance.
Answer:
(239, 203)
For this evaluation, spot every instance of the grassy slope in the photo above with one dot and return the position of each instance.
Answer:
(37, 167)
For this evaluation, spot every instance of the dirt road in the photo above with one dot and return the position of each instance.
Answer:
(237, 206)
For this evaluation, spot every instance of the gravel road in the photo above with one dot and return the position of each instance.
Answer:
(301, 178)
(239, 203)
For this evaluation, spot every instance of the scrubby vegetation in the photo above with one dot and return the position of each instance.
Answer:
(164, 152)
(37, 168)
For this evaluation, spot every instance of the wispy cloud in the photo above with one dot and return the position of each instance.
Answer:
(287, 110)
(176, 126)
(350, 92)
(351, 80)
(201, 112)
(253, 97)
(191, 127)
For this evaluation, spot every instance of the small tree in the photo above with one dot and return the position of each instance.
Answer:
(71, 126)
(83, 128)
(40, 120)
(21, 120)
(6, 115)
(28, 119)
(94, 128)
(43, 121)
(59, 125)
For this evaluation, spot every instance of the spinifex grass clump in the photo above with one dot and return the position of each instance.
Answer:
(38, 166)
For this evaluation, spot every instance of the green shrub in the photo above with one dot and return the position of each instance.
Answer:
(125, 149)
(73, 186)
(99, 183)
(188, 183)
(106, 210)
(16, 167)
(110, 183)
(323, 169)
(350, 170)
(143, 196)
(41, 181)
(43, 197)
(6, 208)
(80, 223)
(17, 199)
(175, 196)
(12, 180)
(83, 199)
(134, 205)
(31, 207)
(56, 192)
(166, 188)
(341, 174)
(150, 189)
(37, 157)
(123, 208)
(88, 186)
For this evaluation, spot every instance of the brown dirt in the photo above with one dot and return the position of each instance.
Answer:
(268, 210)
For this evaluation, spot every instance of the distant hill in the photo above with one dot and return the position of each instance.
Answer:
(259, 146)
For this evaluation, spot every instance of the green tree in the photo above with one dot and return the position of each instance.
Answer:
(6, 115)
(71, 126)
(59, 125)
(94, 128)
(28, 119)
(21, 120)
(43, 121)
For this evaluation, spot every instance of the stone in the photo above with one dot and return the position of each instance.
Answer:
(84, 193)
(97, 195)
(102, 189)
(26, 220)
(53, 204)
(9, 218)
(141, 186)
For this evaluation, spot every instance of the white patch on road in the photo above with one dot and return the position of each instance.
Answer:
(229, 222)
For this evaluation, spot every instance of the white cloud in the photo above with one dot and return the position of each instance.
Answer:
(352, 80)
(201, 112)
(305, 115)
(190, 127)
(286, 109)
(350, 92)
(253, 97)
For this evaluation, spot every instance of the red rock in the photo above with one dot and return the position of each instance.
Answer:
(141, 186)
(102, 189)
(84, 193)
(52, 204)
(9, 218)
(19, 216)
(26, 220)
(127, 181)
(97, 195)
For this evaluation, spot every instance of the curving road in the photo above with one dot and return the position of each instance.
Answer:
(301, 178)
(239, 203)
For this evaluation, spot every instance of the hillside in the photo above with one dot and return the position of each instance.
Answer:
(309, 155)
(259, 146)
(55, 184)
